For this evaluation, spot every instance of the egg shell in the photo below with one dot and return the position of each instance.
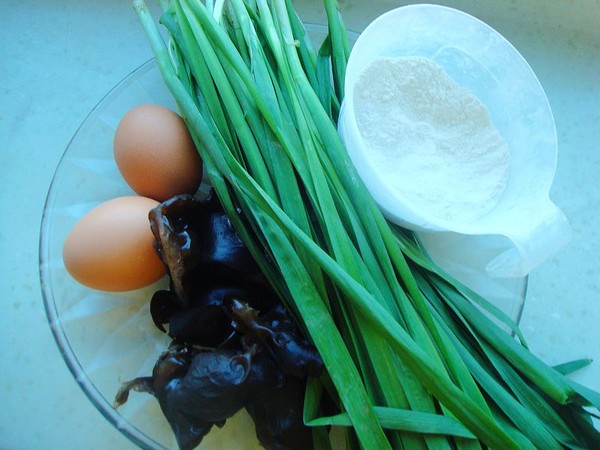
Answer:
(155, 153)
(111, 247)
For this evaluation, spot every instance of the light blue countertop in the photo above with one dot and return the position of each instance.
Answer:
(59, 58)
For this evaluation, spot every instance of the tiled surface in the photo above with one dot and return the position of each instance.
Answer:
(59, 58)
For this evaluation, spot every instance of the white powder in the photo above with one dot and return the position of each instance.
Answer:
(432, 139)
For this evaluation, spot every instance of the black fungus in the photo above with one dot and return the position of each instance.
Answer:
(278, 417)
(216, 385)
(295, 355)
(198, 243)
(234, 345)
(207, 262)
(198, 389)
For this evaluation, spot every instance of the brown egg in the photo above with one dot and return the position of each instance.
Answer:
(155, 153)
(111, 247)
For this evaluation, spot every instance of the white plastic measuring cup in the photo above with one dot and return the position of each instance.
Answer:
(479, 59)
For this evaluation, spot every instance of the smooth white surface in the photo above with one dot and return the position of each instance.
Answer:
(59, 58)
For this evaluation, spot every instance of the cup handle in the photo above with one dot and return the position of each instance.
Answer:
(532, 245)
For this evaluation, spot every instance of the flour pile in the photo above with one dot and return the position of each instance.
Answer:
(431, 139)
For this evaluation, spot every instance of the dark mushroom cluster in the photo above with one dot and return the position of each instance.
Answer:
(234, 345)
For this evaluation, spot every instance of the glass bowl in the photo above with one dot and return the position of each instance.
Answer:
(108, 338)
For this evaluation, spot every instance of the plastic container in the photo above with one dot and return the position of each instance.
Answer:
(525, 224)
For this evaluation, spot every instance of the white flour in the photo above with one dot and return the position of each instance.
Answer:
(432, 139)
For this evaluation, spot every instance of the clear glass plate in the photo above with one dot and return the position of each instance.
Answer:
(108, 338)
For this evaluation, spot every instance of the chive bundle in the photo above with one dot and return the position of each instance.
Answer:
(414, 359)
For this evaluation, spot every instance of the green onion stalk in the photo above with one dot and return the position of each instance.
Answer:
(414, 359)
